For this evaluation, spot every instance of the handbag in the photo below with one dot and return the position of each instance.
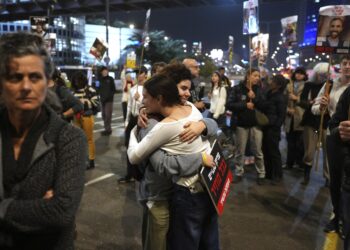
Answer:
(261, 118)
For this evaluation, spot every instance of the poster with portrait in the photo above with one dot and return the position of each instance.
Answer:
(50, 41)
(289, 31)
(333, 31)
(230, 48)
(260, 47)
(39, 25)
(250, 17)
(98, 49)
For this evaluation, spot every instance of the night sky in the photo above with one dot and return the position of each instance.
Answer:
(211, 25)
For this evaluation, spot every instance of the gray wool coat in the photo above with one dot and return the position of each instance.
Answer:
(27, 221)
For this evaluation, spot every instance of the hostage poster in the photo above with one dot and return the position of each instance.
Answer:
(289, 31)
(98, 49)
(333, 31)
(260, 48)
(250, 17)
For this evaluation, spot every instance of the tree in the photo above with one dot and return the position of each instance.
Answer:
(159, 48)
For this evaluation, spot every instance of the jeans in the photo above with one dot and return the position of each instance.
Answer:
(255, 136)
(107, 109)
(193, 221)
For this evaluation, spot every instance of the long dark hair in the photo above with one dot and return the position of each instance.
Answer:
(249, 73)
(281, 81)
(219, 83)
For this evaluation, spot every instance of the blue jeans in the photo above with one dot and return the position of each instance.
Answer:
(193, 221)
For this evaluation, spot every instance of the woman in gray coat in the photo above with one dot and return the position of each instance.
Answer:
(41, 156)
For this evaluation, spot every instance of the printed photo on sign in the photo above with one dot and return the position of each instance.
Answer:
(333, 33)
(98, 49)
(39, 25)
(260, 47)
(289, 30)
(250, 17)
(50, 41)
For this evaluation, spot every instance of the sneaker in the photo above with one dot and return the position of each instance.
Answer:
(331, 227)
(237, 179)
(125, 179)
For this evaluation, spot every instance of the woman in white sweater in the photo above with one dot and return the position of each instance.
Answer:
(190, 227)
(217, 96)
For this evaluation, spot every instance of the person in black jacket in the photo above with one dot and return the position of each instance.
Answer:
(275, 109)
(311, 122)
(243, 100)
(106, 91)
(339, 139)
(70, 105)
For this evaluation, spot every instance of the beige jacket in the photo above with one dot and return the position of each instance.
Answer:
(298, 111)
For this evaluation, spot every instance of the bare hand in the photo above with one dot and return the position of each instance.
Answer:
(290, 111)
(250, 105)
(48, 195)
(251, 94)
(209, 95)
(199, 105)
(191, 131)
(142, 120)
(208, 160)
(293, 97)
(344, 130)
(324, 102)
(136, 96)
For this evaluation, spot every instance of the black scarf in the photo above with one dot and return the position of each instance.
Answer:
(15, 170)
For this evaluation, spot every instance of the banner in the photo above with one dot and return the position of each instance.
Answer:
(289, 31)
(98, 49)
(39, 25)
(333, 32)
(145, 37)
(260, 48)
(250, 17)
(230, 48)
(131, 60)
(50, 41)
(217, 180)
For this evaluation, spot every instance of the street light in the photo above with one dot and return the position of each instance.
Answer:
(166, 38)
(131, 26)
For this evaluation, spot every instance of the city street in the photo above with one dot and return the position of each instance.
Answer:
(284, 216)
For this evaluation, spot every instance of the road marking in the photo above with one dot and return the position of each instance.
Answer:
(101, 178)
(331, 242)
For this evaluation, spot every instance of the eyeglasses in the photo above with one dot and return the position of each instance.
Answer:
(194, 66)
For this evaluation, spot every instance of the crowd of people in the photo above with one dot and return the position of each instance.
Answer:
(47, 142)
